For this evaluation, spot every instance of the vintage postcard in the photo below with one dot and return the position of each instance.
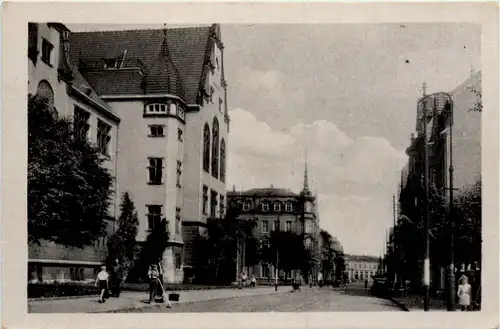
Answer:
(231, 164)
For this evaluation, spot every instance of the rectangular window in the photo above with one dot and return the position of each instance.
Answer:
(154, 216)
(246, 206)
(220, 105)
(265, 206)
(221, 205)
(179, 134)
(103, 136)
(205, 199)
(265, 226)
(276, 225)
(213, 203)
(177, 220)
(157, 108)
(288, 207)
(156, 131)
(277, 206)
(47, 48)
(81, 123)
(289, 226)
(155, 171)
(179, 173)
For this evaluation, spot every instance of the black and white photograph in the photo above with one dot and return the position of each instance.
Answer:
(215, 167)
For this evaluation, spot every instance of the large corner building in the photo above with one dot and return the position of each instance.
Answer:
(154, 101)
(278, 209)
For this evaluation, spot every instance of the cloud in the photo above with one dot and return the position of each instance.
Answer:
(354, 177)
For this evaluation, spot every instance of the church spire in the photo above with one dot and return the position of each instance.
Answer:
(306, 180)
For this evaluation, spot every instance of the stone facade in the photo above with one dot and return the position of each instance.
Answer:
(361, 267)
(166, 89)
(278, 209)
(50, 76)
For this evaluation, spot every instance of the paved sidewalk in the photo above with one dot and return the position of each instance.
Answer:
(131, 300)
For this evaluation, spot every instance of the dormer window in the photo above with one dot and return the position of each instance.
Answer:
(288, 207)
(265, 206)
(277, 206)
(65, 35)
(157, 108)
(47, 48)
(246, 206)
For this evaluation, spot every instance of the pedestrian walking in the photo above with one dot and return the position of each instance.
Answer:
(320, 279)
(101, 282)
(159, 292)
(116, 279)
(153, 276)
(464, 292)
(243, 279)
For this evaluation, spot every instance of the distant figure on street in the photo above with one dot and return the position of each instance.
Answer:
(153, 276)
(253, 281)
(243, 279)
(320, 279)
(101, 282)
(366, 283)
(464, 292)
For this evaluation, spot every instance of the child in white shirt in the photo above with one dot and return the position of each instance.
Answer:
(102, 283)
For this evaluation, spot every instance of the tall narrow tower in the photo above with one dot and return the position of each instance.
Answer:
(310, 229)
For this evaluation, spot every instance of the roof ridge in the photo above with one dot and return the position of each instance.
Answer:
(146, 29)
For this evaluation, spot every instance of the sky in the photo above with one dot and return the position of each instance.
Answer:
(347, 94)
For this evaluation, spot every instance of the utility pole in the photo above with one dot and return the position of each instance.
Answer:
(394, 256)
(276, 274)
(426, 209)
(451, 270)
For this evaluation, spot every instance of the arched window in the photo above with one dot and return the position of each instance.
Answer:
(215, 148)
(223, 160)
(45, 93)
(206, 148)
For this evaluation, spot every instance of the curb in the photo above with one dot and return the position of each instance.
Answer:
(399, 304)
(182, 302)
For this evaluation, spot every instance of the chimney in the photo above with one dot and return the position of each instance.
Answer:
(272, 186)
(66, 44)
(234, 188)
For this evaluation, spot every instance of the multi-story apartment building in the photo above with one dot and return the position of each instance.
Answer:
(52, 77)
(278, 209)
(361, 267)
(466, 146)
(167, 88)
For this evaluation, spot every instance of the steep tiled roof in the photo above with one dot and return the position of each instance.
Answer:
(163, 75)
(187, 48)
(80, 83)
(265, 192)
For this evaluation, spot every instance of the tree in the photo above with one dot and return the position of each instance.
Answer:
(156, 243)
(122, 244)
(217, 250)
(478, 105)
(289, 250)
(68, 188)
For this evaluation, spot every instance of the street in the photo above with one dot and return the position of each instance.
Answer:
(314, 299)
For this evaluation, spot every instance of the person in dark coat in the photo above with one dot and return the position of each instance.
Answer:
(116, 279)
